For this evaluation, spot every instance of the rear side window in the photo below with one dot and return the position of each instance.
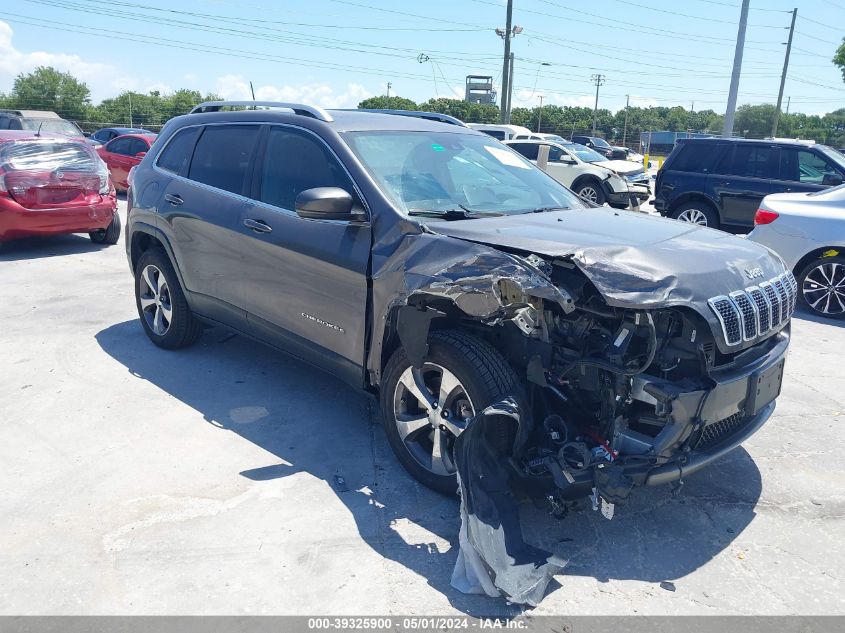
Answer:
(295, 161)
(177, 154)
(529, 150)
(221, 158)
(495, 134)
(749, 161)
(119, 146)
(696, 157)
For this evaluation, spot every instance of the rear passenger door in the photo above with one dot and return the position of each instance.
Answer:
(304, 281)
(201, 215)
(742, 178)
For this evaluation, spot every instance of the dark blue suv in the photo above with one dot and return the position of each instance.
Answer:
(719, 182)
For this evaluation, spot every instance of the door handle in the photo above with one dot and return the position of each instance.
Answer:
(258, 226)
(174, 199)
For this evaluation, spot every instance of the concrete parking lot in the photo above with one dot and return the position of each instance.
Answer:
(228, 478)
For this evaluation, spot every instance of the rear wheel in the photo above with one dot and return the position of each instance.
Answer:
(822, 286)
(695, 212)
(591, 190)
(164, 312)
(108, 235)
(424, 410)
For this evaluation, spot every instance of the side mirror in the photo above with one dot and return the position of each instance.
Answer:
(832, 179)
(140, 154)
(327, 203)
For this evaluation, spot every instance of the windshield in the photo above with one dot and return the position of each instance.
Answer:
(53, 126)
(441, 171)
(833, 155)
(600, 142)
(585, 153)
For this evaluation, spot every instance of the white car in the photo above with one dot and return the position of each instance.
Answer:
(619, 183)
(500, 132)
(808, 231)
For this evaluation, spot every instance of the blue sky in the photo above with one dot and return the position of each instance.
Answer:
(337, 52)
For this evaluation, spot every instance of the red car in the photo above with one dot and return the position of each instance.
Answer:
(122, 153)
(52, 185)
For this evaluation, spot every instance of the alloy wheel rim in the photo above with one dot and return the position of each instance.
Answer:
(824, 288)
(430, 409)
(693, 216)
(589, 193)
(156, 303)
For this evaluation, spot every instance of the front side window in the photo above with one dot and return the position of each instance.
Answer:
(222, 156)
(137, 145)
(442, 171)
(295, 161)
(808, 167)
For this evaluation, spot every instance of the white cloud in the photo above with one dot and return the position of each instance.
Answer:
(13, 62)
(235, 87)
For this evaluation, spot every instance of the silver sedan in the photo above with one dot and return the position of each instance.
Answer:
(808, 231)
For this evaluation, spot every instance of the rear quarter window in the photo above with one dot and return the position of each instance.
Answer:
(696, 157)
(176, 155)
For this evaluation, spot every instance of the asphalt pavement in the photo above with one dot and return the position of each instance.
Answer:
(230, 479)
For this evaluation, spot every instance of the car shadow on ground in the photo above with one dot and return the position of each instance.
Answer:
(53, 246)
(317, 425)
(805, 315)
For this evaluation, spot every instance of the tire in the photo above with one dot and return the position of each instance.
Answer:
(108, 235)
(485, 378)
(821, 298)
(152, 299)
(591, 190)
(699, 213)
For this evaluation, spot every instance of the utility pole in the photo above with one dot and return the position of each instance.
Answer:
(540, 115)
(730, 111)
(625, 127)
(506, 78)
(510, 93)
(783, 75)
(598, 80)
(130, 108)
(788, 100)
(389, 86)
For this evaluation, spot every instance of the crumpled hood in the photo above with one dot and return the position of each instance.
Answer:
(634, 260)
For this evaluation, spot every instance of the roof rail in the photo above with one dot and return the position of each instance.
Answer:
(419, 114)
(314, 112)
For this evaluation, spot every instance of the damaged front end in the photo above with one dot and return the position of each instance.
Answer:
(614, 397)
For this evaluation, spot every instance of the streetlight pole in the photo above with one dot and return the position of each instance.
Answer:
(783, 75)
(540, 115)
(599, 80)
(506, 78)
(510, 93)
(625, 127)
(730, 111)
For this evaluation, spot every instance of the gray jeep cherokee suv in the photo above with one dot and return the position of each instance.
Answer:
(429, 264)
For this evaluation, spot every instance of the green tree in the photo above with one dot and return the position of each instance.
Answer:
(46, 88)
(839, 58)
(388, 103)
(463, 110)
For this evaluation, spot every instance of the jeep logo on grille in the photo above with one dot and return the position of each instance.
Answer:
(753, 273)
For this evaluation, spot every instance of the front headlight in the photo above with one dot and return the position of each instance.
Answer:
(617, 183)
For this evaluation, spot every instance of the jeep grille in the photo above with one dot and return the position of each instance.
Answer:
(746, 314)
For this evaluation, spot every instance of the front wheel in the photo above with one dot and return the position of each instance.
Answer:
(591, 190)
(822, 285)
(424, 410)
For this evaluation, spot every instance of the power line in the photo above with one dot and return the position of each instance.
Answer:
(663, 10)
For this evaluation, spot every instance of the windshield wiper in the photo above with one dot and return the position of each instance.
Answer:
(460, 212)
(544, 209)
